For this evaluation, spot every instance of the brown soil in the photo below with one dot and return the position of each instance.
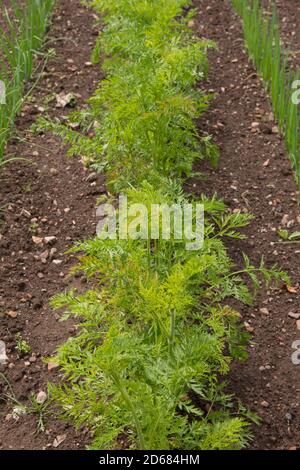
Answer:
(53, 197)
(48, 196)
(254, 174)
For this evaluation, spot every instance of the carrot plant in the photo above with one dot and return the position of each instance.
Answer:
(155, 339)
(262, 36)
(153, 63)
(24, 28)
(156, 336)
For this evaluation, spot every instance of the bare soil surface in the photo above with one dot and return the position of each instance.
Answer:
(254, 174)
(49, 195)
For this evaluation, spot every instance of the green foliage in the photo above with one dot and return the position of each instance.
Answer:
(22, 37)
(21, 345)
(155, 338)
(152, 63)
(262, 37)
(155, 334)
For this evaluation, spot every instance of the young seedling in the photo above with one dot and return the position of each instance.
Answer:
(21, 345)
(288, 237)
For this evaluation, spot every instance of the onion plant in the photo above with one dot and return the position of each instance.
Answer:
(262, 36)
(21, 36)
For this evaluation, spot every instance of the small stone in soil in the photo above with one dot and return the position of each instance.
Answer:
(44, 255)
(59, 440)
(26, 213)
(265, 404)
(295, 316)
(37, 240)
(3, 356)
(52, 366)
(57, 262)
(50, 240)
(12, 314)
(41, 398)
(264, 311)
(248, 327)
(52, 252)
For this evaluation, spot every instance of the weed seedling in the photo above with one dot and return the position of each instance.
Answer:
(21, 345)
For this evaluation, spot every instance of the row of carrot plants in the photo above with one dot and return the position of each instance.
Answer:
(22, 31)
(155, 334)
(262, 36)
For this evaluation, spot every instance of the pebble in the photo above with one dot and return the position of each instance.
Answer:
(285, 219)
(3, 356)
(264, 311)
(295, 316)
(44, 255)
(37, 240)
(50, 240)
(248, 327)
(57, 262)
(265, 404)
(255, 125)
(52, 366)
(12, 314)
(41, 397)
(92, 177)
(53, 251)
(59, 440)
(26, 213)
(288, 417)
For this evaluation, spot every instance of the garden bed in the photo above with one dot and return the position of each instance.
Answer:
(56, 197)
(255, 174)
(51, 196)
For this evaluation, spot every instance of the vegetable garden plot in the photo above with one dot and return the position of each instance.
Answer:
(263, 40)
(22, 32)
(254, 173)
(159, 325)
(141, 356)
(44, 195)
